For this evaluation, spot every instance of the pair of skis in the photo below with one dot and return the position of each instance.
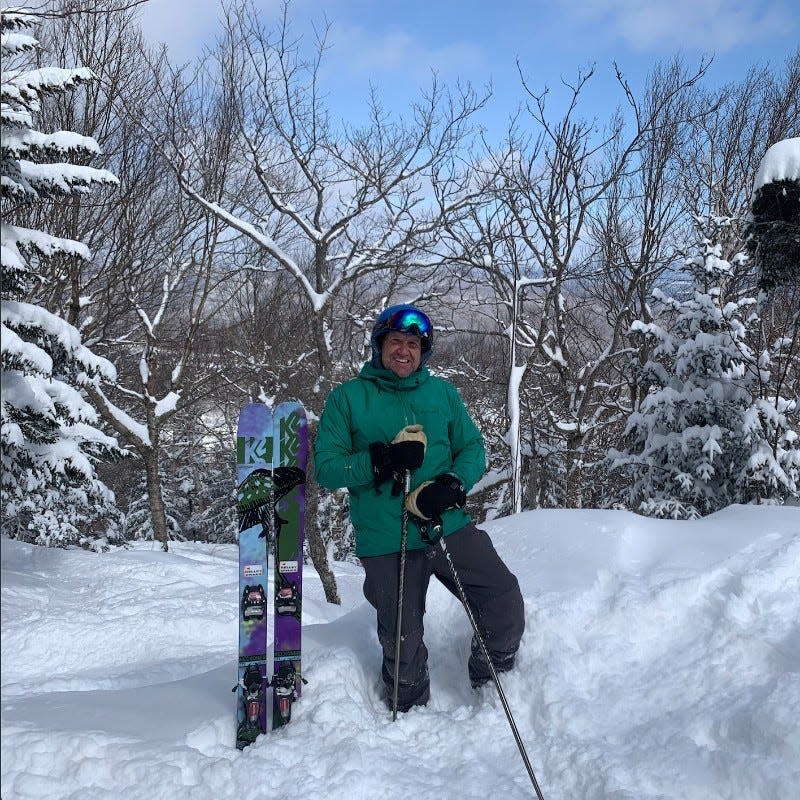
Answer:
(271, 456)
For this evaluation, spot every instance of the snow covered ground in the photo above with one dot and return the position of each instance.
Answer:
(661, 660)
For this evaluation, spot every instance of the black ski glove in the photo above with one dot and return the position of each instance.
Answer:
(432, 498)
(406, 452)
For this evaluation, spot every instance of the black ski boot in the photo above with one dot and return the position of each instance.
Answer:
(479, 672)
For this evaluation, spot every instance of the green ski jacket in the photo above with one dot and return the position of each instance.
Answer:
(374, 407)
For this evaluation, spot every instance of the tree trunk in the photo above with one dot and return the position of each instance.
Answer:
(323, 353)
(574, 472)
(534, 488)
(201, 503)
(316, 544)
(155, 499)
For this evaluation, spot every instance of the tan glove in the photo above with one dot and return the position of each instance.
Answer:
(411, 500)
(412, 433)
(432, 498)
(406, 452)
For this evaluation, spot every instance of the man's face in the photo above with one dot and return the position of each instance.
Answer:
(401, 353)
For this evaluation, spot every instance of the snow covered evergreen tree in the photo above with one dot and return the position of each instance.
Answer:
(217, 520)
(50, 440)
(773, 469)
(139, 520)
(702, 438)
(203, 490)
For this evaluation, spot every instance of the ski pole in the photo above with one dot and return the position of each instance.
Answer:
(485, 652)
(403, 543)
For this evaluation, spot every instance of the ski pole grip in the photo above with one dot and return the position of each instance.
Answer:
(431, 530)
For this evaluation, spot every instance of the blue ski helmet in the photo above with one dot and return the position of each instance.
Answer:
(406, 319)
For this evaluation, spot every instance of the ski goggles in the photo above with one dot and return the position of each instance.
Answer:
(408, 320)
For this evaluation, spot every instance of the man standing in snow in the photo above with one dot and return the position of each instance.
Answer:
(395, 416)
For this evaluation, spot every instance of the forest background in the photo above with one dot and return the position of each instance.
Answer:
(615, 297)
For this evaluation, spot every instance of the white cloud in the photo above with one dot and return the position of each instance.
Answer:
(711, 25)
(398, 51)
(186, 27)
(183, 27)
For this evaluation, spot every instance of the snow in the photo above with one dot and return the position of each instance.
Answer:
(124, 420)
(20, 142)
(47, 245)
(661, 660)
(27, 353)
(167, 404)
(17, 315)
(554, 354)
(65, 178)
(11, 43)
(781, 162)
(29, 84)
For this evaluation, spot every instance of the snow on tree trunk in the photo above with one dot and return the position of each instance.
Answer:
(513, 436)
(515, 376)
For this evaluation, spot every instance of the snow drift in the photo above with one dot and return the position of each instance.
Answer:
(661, 660)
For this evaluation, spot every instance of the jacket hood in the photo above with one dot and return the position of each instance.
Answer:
(388, 380)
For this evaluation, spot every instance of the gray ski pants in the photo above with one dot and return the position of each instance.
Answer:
(491, 589)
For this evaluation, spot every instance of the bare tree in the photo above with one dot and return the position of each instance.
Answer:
(332, 207)
(158, 273)
(105, 39)
(578, 228)
(337, 210)
(168, 375)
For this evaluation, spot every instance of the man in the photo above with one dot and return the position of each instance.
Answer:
(395, 416)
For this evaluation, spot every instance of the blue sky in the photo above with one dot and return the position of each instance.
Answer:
(395, 45)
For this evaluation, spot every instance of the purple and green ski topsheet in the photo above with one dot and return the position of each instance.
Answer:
(289, 457)
(271, 452)
(254, 449)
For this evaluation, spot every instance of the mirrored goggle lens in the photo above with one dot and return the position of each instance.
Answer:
(410, 321)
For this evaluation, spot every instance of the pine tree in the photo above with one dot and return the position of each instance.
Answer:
(773, 229)
(773, 234)
(772, 472)
(218, 520)
(203, 491)
(50, 439)
(701, 438)
(773, 241)
(214, 516)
